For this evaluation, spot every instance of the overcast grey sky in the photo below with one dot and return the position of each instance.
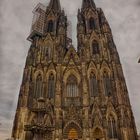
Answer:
(16, 18)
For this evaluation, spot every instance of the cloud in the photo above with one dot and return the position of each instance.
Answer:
(16, 18)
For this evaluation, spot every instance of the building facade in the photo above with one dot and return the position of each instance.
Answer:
(69, 94)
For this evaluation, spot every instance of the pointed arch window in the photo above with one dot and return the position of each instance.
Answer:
(50, 26)
(72, 87)
(49, 53)
(39, 87)
(92, 24)
(51, 87)
(107, 83)
(93, 85)
(95, 47)
(112, 127)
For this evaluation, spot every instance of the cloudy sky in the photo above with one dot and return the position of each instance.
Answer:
(15, 23)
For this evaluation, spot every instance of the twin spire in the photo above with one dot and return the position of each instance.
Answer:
(55, 4)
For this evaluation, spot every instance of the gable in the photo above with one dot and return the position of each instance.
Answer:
(71, 55)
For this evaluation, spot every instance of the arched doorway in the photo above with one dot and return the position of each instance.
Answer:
(72, 131)
(98, 134)
(73, 134)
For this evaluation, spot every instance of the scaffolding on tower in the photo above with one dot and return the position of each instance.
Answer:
(38, 22)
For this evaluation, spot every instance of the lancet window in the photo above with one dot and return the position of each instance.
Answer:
(92, 24)
(39, 87)
(95, 47)
(93, 85)
(112, 127)
(50, 26)
(72, 87)
(107, 84)
(49, 53)
(51, 86)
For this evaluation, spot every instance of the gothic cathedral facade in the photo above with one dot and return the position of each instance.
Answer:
(69, 94)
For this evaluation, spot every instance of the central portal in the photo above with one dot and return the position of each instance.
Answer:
(73, 134)
(98, 134)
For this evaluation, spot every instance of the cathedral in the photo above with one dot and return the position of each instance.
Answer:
(68, 93)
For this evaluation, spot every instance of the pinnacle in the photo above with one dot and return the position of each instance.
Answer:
(88, 3)
(55, 5)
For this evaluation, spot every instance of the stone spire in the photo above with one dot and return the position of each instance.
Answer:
(88, 3)
(55, 5)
